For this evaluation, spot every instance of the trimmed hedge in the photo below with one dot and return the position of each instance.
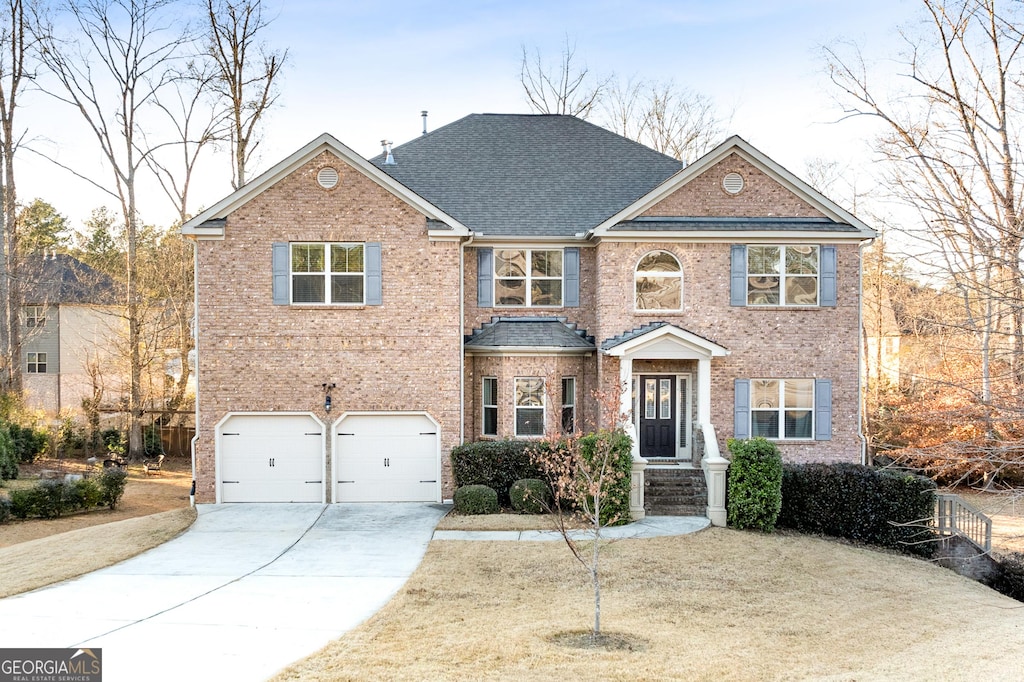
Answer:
(530, 496)
(495, 464)
(755, 484)
(476, 499)
(859, 503)
(53, 499)
(1009, 579)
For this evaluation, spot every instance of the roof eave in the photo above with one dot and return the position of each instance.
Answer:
(527, 350)
(775, 236)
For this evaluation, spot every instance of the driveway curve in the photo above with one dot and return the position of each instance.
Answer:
(245, 591)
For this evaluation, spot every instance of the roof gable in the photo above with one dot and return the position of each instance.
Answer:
(784, 195)
(211, 222)
(536, 175)
(661, 339)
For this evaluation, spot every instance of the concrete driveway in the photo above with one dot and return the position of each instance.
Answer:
(244, 592)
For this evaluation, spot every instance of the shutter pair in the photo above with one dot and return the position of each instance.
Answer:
(826, 277)
(570, 278)
(822, 409)
(281, 267)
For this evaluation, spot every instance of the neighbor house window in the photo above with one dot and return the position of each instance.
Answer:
(36, 363)
(529, 406)
(568, 404)
(527, 277)
(782, 408)
(490, 405)
(659, 282)
(35, 316)
(327, 273)
(782, 275)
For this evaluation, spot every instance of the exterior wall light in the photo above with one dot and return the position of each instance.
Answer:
(327, 396)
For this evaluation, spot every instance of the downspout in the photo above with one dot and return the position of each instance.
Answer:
(860, 354)
(195, 346)
(462, 352)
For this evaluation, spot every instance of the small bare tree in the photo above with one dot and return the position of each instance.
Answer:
(589, 478)
(564, 88)
(246, 75)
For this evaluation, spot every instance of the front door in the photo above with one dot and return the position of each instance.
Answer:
(657, 416)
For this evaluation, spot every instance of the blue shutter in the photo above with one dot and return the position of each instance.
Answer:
(738, 276)
(485, 278)
(280, 267)
(741, 414)
(571, 272)
(823, 409)
(827, 296)
(374, 279)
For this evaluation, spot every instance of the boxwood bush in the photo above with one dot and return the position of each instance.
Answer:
(476, 499)
(754, 484)
(495, 464)
(530, 496)
(876, 506)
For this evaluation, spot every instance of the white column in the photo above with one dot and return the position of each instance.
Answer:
(704, 390)
(626, 399)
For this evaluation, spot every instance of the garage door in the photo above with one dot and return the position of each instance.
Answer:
(387, 458)
(271, 458)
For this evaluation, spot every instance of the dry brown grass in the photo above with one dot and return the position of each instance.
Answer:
(716, 605)
(1006, 509)
(44, 561)
(501, 522)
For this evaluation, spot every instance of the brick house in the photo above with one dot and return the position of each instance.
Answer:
(358, 318)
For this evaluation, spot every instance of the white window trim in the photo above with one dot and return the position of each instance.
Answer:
(29, 363)
(35, 316)
(781, 409)
(485, 406)
(529, 277)
(575, 414)
(327, 274)
(652, 273)
(783, 277)
(543, 408)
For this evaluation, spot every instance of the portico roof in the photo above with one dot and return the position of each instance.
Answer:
(662, 340)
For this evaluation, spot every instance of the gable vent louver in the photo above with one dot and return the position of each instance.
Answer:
(327, 177)
(732, 183)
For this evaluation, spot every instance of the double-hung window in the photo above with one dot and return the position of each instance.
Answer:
(35, 316)
(332, 273)
(36, 363)
(490, 406)
(568, 404)
(528, 277)
(529, 406)
(782, 275)
(782, 408)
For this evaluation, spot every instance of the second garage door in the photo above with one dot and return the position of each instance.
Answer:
(387, 458)
(271, 458)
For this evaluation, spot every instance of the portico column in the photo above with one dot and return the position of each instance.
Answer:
(626, 398)
(704, 390)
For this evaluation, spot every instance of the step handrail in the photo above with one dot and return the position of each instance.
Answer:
(955, 516)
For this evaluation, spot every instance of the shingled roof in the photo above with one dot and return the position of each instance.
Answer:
(60, 278)
(530, 332)
(527, 175)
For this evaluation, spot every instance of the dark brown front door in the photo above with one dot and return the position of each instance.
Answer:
(657, 416)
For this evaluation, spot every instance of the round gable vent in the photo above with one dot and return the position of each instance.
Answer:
(327, 177)
(732, 183)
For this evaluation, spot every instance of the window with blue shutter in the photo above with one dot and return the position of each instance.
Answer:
(738, 276)
(741, 414)
(281, 269)
(485, 278)
(374, 293)
(828, 276)
(823, 409)
(572, 278)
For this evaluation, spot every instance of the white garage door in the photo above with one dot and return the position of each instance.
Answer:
(387, 458)
(271, 458)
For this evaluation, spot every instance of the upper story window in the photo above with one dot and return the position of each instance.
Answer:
(527, 277)
(659, 282)
(782, 275)
(35, 316)
(327, 273)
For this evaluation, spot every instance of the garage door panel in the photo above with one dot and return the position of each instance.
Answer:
(271, 458)
(387, 458)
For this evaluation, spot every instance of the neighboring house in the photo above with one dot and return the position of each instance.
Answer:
(359, 318)
(69, 330)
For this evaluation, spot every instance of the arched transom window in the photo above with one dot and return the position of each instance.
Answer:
(659, 282)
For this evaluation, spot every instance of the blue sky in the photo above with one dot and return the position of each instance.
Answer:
(364, 70)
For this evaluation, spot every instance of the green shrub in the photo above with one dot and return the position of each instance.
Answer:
(755, 484)
(8, 457)
(152, 445)
(615, 492)
(876, 506)
(28, 442)
(22, 501)
(5, 510)
(48, 499)
(1009, 578)
(84, 493)
(112, 482)
(530, 496)
(113, 441)
(476, 499)
(495, 464)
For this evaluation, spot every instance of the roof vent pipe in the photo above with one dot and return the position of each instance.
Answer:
(389, 159)
(424, 115)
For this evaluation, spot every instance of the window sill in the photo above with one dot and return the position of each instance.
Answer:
(328, 306)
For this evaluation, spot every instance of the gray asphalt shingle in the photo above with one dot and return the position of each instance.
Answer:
(530, 332)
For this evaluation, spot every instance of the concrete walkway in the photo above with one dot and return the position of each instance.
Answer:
(243, 593)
